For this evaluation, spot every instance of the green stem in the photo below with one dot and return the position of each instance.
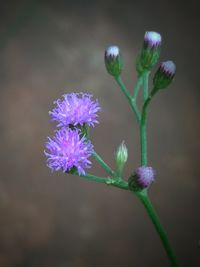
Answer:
(119, 183)
(145, 77)
(131, 100)
(103, 164)
(143, 137)
(137, 87)
(94, 178)
(143, 196)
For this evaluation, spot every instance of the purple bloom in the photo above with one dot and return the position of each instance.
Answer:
(75, 109)
(145, 176)
(67, 150)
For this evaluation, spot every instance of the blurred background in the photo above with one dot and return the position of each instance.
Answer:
(48, 48)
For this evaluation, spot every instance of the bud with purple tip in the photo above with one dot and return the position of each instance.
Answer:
(113, 61)
(141, 178)
(164, 75)
(150, 52)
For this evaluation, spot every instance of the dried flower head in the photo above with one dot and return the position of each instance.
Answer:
(67, 150)
(75, 109)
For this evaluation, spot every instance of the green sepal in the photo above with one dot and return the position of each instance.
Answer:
(114, 65)
(161, 80)
(147, 58)
(133, 184)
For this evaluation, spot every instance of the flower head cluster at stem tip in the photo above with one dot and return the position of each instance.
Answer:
(69, 148)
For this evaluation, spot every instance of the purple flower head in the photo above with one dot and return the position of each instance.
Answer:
(75, 109)
(67, 150)
(145, 176)
(141, 178)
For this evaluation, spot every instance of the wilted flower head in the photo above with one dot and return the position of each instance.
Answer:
(67, 150)
(75, 109)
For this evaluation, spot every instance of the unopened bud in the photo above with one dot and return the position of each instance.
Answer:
(164, 75)
(113, 61)
(142, 178)
(121, 157)
(150, 52)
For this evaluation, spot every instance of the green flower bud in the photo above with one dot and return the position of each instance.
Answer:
(121, 157)
(113, 61)
(150, 52)
(164, 75)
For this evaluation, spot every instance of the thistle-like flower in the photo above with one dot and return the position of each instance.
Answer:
(142, 178)
(150, 52)
(75, 109)
(164, 75)
(113, 60)
(67, 150)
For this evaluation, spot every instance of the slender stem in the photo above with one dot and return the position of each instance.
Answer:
(119, 183)
(137, 87)
(145, 83)
(103, 164)
(131, 100)
(143, 196)
(143, 137)
(94, 178)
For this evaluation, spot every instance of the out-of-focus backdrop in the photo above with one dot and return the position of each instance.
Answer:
(48, 48)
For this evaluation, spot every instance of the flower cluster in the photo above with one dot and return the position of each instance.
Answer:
(69, 149)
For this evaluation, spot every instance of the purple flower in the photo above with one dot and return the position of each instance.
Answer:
(75, 109)
(142, 178)
(67, 150)
(145, 176)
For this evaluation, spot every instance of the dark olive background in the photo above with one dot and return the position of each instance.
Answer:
(48, 48)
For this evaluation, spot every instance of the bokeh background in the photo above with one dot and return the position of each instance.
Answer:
(48, 48)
